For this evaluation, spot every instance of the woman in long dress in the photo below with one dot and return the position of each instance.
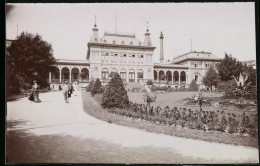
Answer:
(66, 92)
(35, 92)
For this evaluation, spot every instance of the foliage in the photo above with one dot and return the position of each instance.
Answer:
(148, 98)
(115, 95)
(31, 58)
(149, 82)
(193, 86)
(82, 74)
(211, 78)
(89, 87)
(96, 88)
(229, 67)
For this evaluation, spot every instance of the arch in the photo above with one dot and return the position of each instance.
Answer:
(161, 74)
(168, 76)
(140, 74)
(65, 72)
(105, 74)
(183, 77)
(175, 76)
(123, 74)
(55, 75)
(85, 75)
(155, 75)
(131, 75)
(114, 70)
(74, 74)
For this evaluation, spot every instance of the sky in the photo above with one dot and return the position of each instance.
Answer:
(218, 28)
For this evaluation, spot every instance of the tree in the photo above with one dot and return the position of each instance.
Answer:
(229, 67)
(211, 78)
(31, 58)
(115, 95)
(193, 86)
(89, 87)
(96, 88)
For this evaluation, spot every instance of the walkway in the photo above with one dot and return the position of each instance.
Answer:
(57, 132)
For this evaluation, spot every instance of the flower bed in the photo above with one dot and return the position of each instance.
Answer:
(243, 124)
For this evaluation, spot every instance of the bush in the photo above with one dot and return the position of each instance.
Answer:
(115, 95)
(89, 87)
(98, 98)
(149, 82)
(193, 86)
(96, 88)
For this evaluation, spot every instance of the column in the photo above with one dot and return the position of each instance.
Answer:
(60, 74)
(49, 77)
(172, 76)
(179, 78)
(127, 76)
(157, 76)
(70, 75)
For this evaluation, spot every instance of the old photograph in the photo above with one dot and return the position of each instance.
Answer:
(146, 83)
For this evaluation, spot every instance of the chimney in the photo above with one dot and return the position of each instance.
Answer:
(161, 48)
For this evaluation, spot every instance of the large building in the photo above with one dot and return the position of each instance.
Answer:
(133, 60)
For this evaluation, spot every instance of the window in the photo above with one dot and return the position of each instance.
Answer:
(196, 64)
(196, 78)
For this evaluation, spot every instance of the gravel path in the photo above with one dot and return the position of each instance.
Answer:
(57, 132)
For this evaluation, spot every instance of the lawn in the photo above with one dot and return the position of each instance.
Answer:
(93, 108)
(176, 99)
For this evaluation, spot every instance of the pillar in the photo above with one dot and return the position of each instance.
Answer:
(135, 76)
(179, 77)
(60, 74)
(158, 76)
(70, 75)
(172, 77)
(49, 77)
(161, 48)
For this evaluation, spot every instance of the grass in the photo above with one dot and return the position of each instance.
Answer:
(177, 99)
(92, 108)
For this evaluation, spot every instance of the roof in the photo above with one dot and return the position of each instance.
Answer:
(120, 38)
(171, 66)
(72, 62)
(194, 55)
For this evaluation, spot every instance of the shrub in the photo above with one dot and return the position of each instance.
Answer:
(149, 82)
(115, 95)
(193, 86)
(89, 87)
(98, 98)
(96, 88)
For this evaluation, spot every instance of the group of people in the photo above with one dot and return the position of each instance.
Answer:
(67, 90)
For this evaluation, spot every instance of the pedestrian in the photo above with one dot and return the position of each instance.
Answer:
(66, 92)
(75, 88)
(35, 92)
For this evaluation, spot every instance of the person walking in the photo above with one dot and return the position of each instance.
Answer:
(66, 92)
(35, 92)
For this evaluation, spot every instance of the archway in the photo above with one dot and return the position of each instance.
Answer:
(105, 74)
(155, 75)
(161, 75)
(74, 74)
(176, 77)
(123, 74)
(131, 75)
(65, 72)
(84, 74)
(140, 74)
(169, 76)
(183, 77)
(55, 75)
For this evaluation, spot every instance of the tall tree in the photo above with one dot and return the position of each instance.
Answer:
(31, 58)
(211, 78)
(96, 88)
(115, 95)
(229, 67)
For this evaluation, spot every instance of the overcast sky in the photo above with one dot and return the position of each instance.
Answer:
(214, 27)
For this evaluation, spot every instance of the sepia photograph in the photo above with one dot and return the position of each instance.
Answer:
(131, 83)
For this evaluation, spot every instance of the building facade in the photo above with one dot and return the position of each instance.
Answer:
(133, 60)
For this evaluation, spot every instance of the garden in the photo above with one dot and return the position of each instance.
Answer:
(189, 114)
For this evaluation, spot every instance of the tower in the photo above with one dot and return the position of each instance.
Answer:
(161, 48)
(95, 33)
(147, 39)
